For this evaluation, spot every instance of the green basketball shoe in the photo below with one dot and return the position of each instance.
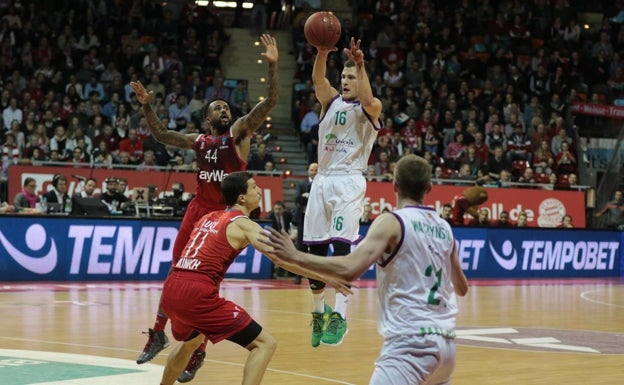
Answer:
(319, 321)
(335, 330)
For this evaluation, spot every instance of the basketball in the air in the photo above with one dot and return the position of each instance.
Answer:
(322, 29)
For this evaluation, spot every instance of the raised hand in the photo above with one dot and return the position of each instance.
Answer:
(270, 44)
(355, 53)
(142, 95)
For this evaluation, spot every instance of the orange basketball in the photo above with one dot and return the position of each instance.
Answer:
(322, 29)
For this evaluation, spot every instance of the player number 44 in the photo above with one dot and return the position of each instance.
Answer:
(211, 155)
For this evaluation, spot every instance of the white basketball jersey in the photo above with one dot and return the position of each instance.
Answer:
(414, 283)
(346, 137)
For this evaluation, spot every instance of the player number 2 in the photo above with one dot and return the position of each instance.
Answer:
(341, 118)
(428, 272)
(338, 223)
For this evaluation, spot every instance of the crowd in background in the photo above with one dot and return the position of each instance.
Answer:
(482, 89)
(65, 68)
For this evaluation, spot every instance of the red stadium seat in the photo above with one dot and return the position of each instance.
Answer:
(542, 177)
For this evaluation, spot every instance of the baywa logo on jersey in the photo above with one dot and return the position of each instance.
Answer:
(549, 255)
(34, 253)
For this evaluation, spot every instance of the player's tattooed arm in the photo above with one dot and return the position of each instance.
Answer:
(162, 134)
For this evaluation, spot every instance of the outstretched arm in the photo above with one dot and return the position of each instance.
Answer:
(252, 233)
(322, 88)
(246, 125)
(383, 236)
(370, 103)
(160, 132)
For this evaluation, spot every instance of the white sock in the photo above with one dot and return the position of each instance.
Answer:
(318, 300)
(341, 305)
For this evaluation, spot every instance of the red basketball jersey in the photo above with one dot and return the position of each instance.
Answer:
(216, 157)
(208, 250)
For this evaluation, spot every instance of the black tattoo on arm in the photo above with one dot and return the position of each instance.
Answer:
(161, 133)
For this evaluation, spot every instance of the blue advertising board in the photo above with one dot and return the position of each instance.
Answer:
(538, 253)
(36, 248)
(42, 248)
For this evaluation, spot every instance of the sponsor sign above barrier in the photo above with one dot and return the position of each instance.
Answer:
(544, 208)
(163, 180)
(600, 152)
(604, 110)
(75, 249)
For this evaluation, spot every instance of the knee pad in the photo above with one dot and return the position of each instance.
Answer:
(316, 285)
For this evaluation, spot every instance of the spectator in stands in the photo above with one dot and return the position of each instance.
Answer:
(10, 153)
(281, 219)
(10, 113)
(60, 143)
(566, 222)
(149, 162)
(614, 210)
(179, 113)
(26, 200)
(454, 151)
(482, 220)
(522, 220)
(115, 200)
(239, 95)
(383, 170)
(503, 220)
(470, 158)
(519, 145)
(133, 146)
(447, 212)
(543, 159)
(527, 176)
(565, 161)
(465, 172)
(58, 193)
(367, 214)
(259, 158)
(496, 138)
(308, 122)
(217, 90)
(88, 191)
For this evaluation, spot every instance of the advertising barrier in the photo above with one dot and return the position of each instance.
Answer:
(538, 253)
(544, 208)
(37, 248)
(163, 180)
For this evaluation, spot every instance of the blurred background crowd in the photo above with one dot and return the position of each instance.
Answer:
(481, 88)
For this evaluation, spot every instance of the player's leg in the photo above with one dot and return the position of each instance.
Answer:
(347, 198)
(320, 310)
(336, 327)
(157, 340)
(317, 222)
(179, 357)
(261, 346)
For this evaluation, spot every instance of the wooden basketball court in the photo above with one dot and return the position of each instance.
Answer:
(532, 332)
